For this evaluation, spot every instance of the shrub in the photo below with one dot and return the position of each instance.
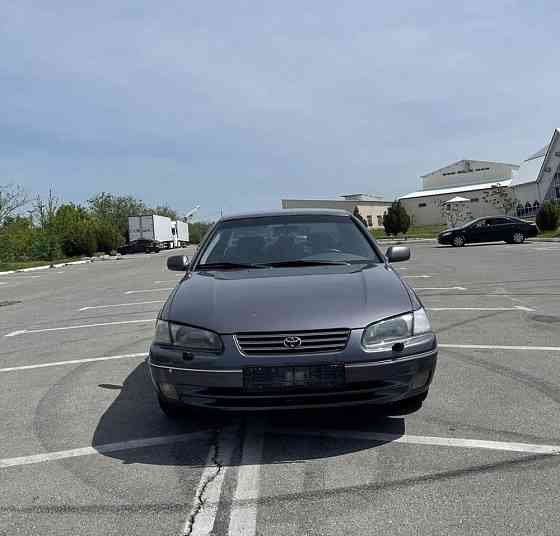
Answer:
(197, 231)
(548, 217)
(108, 236)
(45, 246)
(396, 220)
(16, 238)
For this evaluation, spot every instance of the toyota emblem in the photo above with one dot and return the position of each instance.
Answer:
(292, 342)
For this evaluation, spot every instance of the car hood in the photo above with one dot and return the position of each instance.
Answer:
(288, 298)
(451, 229)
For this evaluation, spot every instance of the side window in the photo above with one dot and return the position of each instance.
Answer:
(500, 221)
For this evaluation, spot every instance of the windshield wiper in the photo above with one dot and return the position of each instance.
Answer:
(304, 262)
(228, 266)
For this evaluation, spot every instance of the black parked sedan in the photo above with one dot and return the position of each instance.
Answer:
(291, 309)
(142, 245)
(494, 229)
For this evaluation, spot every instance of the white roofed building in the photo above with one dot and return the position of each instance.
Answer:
(536, 180)
(468, 179)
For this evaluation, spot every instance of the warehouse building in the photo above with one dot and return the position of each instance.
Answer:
(536, 180)
(466, 180)
(371, 207)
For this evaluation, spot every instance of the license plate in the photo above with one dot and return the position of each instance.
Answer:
(290, 378)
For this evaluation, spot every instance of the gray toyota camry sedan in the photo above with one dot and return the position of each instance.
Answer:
(291, 309)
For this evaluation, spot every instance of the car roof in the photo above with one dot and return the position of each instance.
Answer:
(288, 212)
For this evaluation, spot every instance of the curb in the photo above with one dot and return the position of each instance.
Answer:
(404, 241)
(62, 264)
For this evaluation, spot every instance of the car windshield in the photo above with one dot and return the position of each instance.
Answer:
(287, 241)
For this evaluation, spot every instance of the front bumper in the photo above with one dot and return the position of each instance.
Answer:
(445, 239)
(379, 381)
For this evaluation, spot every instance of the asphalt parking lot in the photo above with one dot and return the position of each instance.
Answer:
(85, 450)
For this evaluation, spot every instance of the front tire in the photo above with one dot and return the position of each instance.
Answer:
(458, 241)
(518, 238)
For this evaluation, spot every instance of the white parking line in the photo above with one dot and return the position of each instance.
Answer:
(440, 288)
(202, 516)
(528, 448)
(72, 362)
(82, 326)
(417, 276)
(501, 347)
(101, 449)
(514, 308)
(18, 277)
(247, 484)
(149, 290)
(119, 305)
(243, 518)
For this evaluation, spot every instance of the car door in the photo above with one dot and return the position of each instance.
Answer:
(500, 229)
(478, 231)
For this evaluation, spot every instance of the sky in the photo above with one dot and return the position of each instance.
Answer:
(234, 105)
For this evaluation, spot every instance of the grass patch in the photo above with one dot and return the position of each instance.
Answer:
(550, 234)
(20, 265)
(420, 231)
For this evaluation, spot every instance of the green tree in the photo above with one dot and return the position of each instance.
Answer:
(396, 220)
(115, 209)
(12, 198)
(548, 216)
(108, 236)
(198, 230)
(164, 210)
(359, 216)
(75, 230)
(16, 239)
(46, 243)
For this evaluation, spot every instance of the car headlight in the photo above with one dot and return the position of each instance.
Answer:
(187, 337)
(447, 233)
(396, 329)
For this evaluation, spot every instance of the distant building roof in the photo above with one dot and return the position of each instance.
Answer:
(531, 167)
(362, 197)
(465, 160)
(457, 189)
(540, 153)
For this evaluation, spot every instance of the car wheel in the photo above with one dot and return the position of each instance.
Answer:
(458, 241)
(518, 238)
(170, 410)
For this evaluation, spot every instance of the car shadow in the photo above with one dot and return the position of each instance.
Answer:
(135, 415)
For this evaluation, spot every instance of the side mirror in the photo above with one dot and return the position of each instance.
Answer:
(398, 253)
(178, 263)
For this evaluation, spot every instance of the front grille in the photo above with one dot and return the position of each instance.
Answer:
(312, 342)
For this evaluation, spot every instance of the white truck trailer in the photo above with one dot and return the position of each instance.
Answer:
(151, 227)
(180, 233)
